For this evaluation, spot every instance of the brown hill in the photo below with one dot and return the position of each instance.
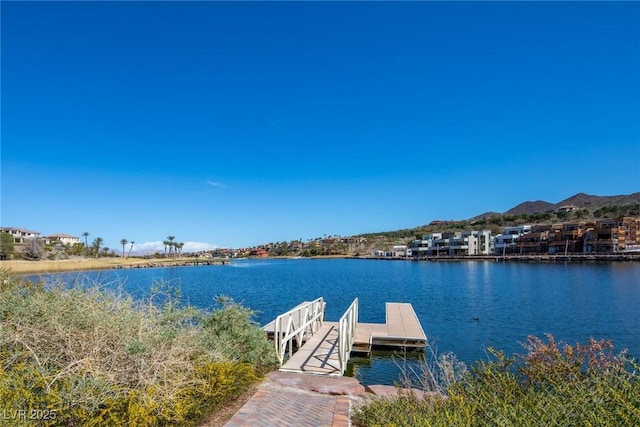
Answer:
(528, 208)
(484, 216)
(580, 200)
(590, 202)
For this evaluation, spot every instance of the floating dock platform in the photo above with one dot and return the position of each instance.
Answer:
(401, 330)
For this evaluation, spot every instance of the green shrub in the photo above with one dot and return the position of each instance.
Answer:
(242, 339)
(93, 357)
(551, 385)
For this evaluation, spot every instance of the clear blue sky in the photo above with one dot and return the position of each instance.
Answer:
(235, 124)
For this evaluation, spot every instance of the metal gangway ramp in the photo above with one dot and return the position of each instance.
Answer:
(323, 348)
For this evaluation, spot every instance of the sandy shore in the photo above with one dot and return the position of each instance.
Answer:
(79, 264)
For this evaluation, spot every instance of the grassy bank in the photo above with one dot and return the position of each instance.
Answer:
(552, 384)
(81, 264)
(84, 356)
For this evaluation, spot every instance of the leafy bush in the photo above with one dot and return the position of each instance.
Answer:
(7, 245)
(93, 357)
(241, 339)
(551, 385)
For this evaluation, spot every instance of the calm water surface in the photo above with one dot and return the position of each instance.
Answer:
(511, 300)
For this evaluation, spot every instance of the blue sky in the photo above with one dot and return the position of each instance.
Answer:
(235, 124)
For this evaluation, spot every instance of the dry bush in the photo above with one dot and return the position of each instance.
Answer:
(435, 373)
(95, 355)
(553, 384)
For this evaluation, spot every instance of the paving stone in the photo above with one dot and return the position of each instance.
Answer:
(318, 383)
(298, 400)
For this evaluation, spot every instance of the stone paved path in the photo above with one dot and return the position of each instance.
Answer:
(291, 399)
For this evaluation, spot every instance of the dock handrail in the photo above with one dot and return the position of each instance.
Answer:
(347, 334)
(297, 323)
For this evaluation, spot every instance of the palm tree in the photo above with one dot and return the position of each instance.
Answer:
(97, 242)
(130, 247)
(171, 245)
(86, 245)
(166, 243)
(123, 242)
(179, 248)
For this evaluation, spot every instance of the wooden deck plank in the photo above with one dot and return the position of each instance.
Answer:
(402, 322)
(319, 355)
(365, 333)
(395, 328)
(410, 322)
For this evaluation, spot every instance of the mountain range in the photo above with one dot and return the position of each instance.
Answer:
(580, 200)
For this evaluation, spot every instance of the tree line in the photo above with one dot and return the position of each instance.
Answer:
(35, 249)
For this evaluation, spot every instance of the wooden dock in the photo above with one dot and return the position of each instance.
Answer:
(401, 330)
(320, 354)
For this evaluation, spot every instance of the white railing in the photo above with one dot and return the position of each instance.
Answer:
(297, 324)
(347, 334)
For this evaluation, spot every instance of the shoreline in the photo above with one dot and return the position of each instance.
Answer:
(89, 264)
(518, 258)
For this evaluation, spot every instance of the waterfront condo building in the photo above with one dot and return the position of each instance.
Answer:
(458, 243)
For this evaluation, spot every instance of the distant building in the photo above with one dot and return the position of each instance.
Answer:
(20, 235)
(422, 247)
(476, 242)
(632, 234)
(517, 230)
(536, 241)
(259, 252)
(613, 235)
(568, 237)
(588, 237)
(567, 208)
(398, 251)
(62, 239)
(459, 243)
(401, 251)
(508, 242)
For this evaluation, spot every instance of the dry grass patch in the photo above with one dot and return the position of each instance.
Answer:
(99, 358)
(81, 264)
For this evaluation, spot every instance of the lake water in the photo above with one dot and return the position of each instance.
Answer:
(571, 301)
